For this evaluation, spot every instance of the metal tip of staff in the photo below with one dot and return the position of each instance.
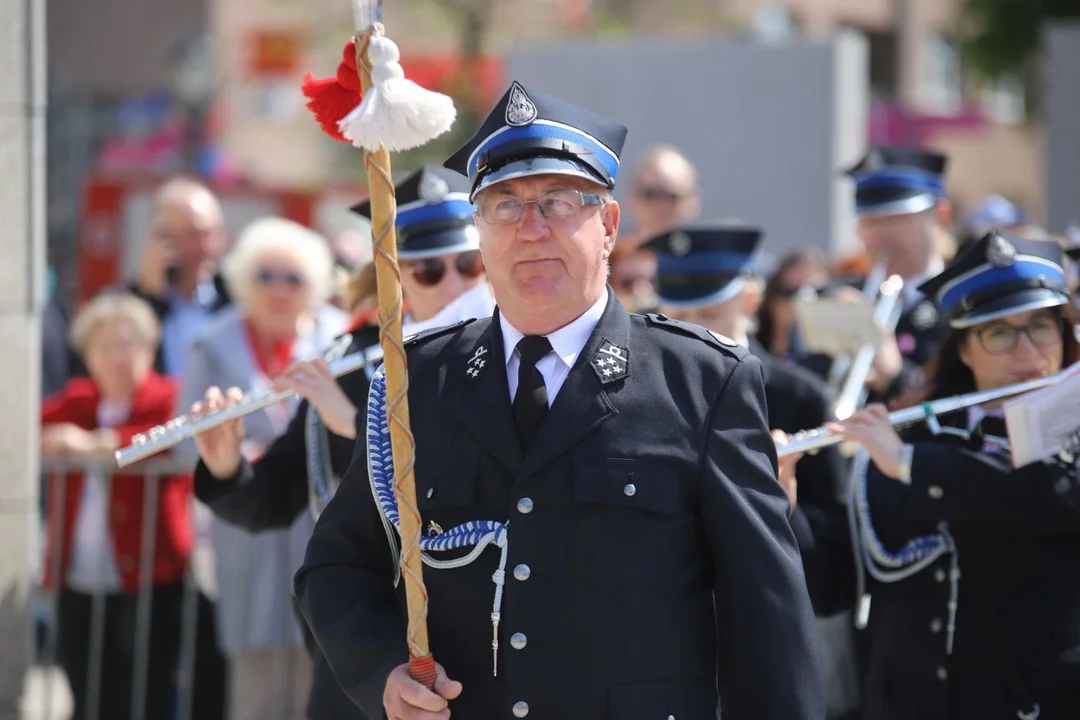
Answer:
(366, 12)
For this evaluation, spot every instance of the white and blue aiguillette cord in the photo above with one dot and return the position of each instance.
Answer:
(477, 534)
(916, 555)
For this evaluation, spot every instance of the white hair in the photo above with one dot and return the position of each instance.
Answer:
(267, 234)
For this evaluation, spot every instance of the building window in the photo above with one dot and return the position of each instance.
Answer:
(942, 90)
(882, 50)
(1003, 100)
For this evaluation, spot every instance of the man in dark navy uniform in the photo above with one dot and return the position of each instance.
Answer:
(702, 276)
(903, 213)
(617, 469)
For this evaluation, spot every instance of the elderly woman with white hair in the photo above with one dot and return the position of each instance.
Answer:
(280, 275)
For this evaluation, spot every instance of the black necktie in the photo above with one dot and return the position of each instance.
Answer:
(531, 400)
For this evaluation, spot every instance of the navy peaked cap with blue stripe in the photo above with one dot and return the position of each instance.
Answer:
(997, 276)
(434, 214)
(702, 266)
(532, 133)
(898, 181)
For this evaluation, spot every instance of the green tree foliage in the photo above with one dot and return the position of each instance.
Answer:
(1003, 37)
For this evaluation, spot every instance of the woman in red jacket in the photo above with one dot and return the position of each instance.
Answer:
(97, 523)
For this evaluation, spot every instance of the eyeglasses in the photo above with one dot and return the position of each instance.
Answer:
(290, 278)
(1000, 339)
(557, 204)
(655, 194)
(429, 272)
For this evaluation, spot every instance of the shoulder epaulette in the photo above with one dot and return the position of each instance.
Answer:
(712, 338)
(434, 332)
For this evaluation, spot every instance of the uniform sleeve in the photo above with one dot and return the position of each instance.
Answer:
(949, 482)
(769, 664)
(346, 593)
(820, 519)
(267, 495)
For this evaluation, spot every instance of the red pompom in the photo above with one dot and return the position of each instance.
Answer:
(331, 99)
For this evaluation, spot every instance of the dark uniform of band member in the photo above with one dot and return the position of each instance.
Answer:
(975, 566)
(902, 210)
(648, 558)
(303, 467)
(701, 274)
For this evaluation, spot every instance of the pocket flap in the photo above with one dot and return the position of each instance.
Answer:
(643, 484)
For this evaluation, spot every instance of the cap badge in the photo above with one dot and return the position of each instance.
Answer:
(520, 109)
(1000, 253)
(924, 316)
(680, 243)
(432, 189)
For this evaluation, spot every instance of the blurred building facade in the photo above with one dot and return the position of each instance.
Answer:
(114, 107)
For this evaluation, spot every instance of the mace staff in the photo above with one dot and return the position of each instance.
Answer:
(393, 114)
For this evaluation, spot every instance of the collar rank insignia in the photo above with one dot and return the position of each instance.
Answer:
(476, 363)
(610, 362)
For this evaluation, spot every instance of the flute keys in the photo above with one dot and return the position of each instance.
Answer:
(139, 439)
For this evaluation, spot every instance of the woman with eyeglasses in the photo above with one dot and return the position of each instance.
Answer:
(280, 276)
(973, 566)
(443, 281)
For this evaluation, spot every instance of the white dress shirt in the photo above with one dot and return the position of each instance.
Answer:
(567, 343)
(93, 560)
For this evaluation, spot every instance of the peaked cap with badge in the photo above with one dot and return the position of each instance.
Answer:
(532, 133)
(898, 181)
(434, 214)
(997, 276)
(702, 266)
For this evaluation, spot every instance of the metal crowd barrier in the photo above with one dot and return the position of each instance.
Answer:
(153, 471)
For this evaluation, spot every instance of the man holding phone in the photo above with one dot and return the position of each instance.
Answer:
(178, 269)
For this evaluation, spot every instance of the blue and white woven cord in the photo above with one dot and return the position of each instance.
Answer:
(916, 554)
(477, 534)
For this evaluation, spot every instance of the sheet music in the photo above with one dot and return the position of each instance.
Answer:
(837, 326)
(1038, 421)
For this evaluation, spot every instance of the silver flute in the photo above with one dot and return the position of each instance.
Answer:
(185, 427)
(810, 441)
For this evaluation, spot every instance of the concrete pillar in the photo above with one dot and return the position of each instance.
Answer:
(1061, 117)
(22, 247)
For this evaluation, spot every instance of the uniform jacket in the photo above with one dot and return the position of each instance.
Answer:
(272, 492)
(648, 494)
(798, 400)
(152, 405)
(1017, 537)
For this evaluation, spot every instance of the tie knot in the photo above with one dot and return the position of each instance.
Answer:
(532, 348)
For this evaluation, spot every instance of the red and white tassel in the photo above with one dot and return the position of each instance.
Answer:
(395, 113)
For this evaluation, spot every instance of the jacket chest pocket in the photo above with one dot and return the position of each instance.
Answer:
(632, 517)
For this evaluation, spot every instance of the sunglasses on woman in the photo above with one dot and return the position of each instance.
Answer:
(289, 278)
(429, 272)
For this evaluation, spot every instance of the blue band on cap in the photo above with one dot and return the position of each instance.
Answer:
(985, 277)
(704, 262)
(901, 178)
(546, 129)
(456, 205)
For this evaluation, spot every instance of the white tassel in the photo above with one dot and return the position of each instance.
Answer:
(395, 113)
